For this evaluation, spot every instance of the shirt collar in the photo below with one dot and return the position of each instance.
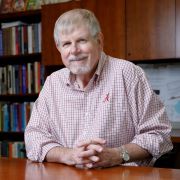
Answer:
(101, 63)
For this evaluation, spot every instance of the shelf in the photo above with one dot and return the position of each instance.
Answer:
(175, 135)
(24, 16)
(20, 59)
(19, 98)
(11, 136)
(156, 61)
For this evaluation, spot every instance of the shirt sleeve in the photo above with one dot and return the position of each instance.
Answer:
(152, 125)
(38, 137)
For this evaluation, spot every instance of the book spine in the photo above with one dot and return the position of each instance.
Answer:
(13, 43)
(25, 39)
(1, 42)
(29, 30)
(29, 80)
(24, 72)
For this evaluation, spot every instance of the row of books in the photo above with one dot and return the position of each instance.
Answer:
(12, 149)
(21, 79)
(8, 6)
(19, 38)
(14, 116)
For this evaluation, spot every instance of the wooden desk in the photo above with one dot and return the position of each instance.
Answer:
(23, 169)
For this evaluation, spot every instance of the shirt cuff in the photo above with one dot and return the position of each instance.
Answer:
(46, 149)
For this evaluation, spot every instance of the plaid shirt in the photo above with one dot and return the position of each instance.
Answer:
(117, 105)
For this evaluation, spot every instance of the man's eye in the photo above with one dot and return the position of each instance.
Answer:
(66, 44)
(82, 40)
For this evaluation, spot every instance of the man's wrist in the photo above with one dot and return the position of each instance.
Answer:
(67, 157)
(124, 155)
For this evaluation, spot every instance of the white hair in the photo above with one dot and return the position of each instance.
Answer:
(72, 19)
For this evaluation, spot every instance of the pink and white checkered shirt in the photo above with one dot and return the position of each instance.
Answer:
(117, 105)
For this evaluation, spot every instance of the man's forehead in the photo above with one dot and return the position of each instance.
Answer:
(74, 27)
(78, 31)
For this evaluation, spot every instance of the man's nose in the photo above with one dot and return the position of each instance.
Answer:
(74, 49)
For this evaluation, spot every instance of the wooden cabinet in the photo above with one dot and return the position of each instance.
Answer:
(111, 15)
(133, 29)
(150, 29)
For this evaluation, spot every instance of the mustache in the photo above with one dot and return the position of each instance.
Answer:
(77, 58)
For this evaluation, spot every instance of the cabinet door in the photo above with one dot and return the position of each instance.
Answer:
(111, 15)
(150, 29)
(50, 13)
(178, 28)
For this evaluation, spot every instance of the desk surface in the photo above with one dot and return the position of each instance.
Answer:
(24, 169)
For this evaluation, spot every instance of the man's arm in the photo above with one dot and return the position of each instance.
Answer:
(151, 123)
(136, 152)
(112, 156)
(66, 156)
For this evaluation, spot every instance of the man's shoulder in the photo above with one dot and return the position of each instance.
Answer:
(121, 64)
(125, 68)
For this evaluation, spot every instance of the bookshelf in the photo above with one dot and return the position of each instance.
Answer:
(21, 78)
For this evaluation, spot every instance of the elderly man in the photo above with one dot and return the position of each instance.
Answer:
(99, 111)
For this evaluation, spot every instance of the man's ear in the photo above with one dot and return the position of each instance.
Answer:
(57, 46)
(100, 40)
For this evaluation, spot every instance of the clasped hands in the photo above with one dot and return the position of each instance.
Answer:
(93, 154)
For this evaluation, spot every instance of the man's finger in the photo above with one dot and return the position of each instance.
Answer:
(96, 147)
(86, 154)
(94, 158)
(91, 141)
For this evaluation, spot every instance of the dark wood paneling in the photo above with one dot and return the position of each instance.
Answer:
(150, 29)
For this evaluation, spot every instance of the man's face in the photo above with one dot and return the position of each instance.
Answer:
(80, 52)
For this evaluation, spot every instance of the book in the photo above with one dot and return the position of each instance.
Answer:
(11, 24)
(19, 5)
(1, 117)
(24, 79)
(55, 1)
(29, 37)
(1, 43)
(6, 6)
(33, 4)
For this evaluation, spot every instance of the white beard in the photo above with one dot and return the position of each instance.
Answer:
(79, 70)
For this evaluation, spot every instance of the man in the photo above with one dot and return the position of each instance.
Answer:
(98, 111)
